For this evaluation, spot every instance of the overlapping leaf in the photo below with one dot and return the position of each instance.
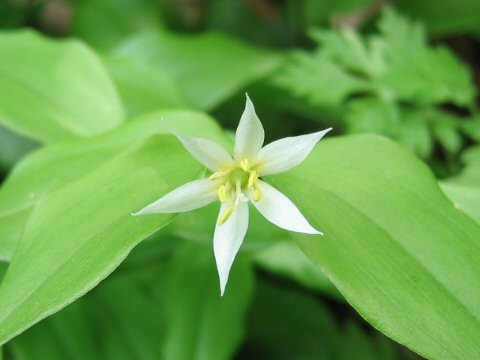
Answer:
(71, 96)
(396, 248)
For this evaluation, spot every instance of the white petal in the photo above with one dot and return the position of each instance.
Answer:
(250, 134)
(228, 238)
(284, 154)
(208, 152)
(281, 211)
(189, 196)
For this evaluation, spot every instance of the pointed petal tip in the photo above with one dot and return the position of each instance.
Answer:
(141, 212)
(312, 231)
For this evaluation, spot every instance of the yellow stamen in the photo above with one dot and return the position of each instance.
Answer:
(257, 195)
(222, 193)
(252, 178)
(226, 215)
(245, 164)
(217, 174)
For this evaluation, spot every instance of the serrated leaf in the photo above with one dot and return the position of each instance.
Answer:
(418, 73)
(307, 76)
(53, 90)
(372, 115)
(396, 248)
(349, 49)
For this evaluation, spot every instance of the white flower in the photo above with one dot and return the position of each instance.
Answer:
(237, 181)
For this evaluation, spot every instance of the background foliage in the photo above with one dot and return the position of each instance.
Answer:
(89, 92)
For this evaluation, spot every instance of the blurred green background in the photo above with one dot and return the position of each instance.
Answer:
(408, 69)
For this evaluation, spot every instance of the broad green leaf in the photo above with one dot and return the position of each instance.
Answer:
(285, 323)
(288, 324)
(202, 324)
(3, 270)
(209, 67)
(78, 234)
(58, 165)
(116, 19)
(396, 248)
(52, 89)
(144, 87)
(139, 319)
(465, 196)
(66, 335)
(464, 189)
(13, 147)
(119, 319)
(284, 258)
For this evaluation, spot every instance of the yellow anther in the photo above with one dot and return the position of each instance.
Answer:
(222, 193)
(226, 215)
(252, 178)
(257, 195)
(245, 164)
(217, 174)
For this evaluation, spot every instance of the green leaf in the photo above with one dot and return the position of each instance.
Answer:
(395, 247)
(78, 234)
(3, 270)
(445, 17)
(373, 115)
(307, 76)
(130, 322)
(284, 258)
(59, 165)
(120, 319)
(144, 87)
(13, 147)
(418, 73)
(63, 336)
(464, 189)
(192, 60)
(211, 328)
(395, 64)
(471, 127)
(116, 19)
(350, 50)
(52, 90)
(81, 228)
(414, 134)
(304, 327)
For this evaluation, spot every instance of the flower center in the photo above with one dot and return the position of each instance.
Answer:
(235, 182)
